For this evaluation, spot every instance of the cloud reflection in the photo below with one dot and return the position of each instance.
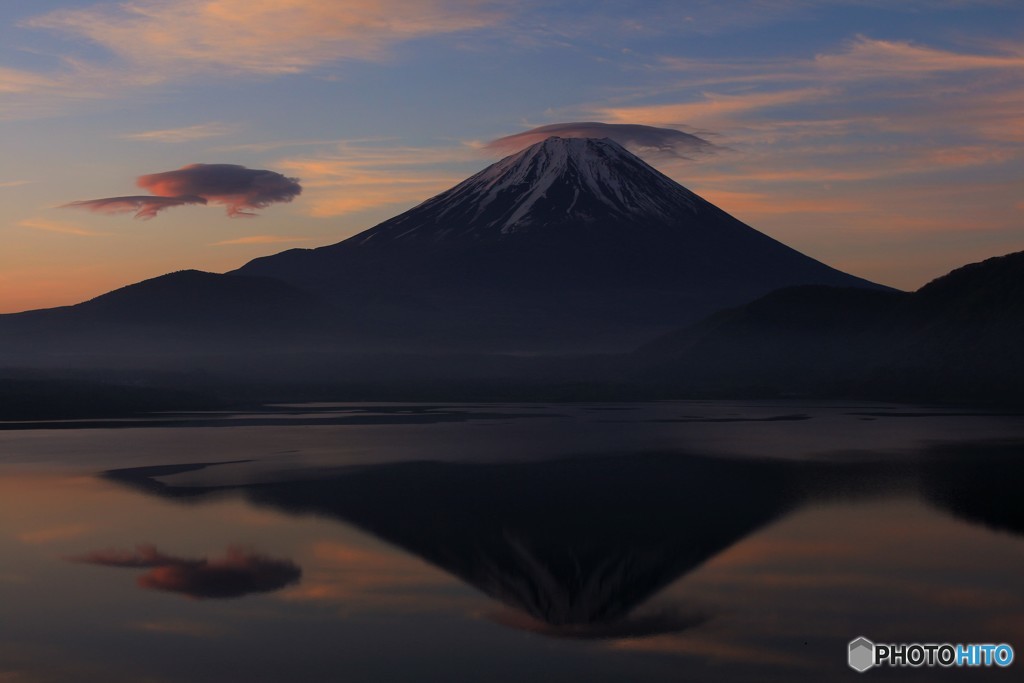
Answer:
(241, 572)
(541, 538)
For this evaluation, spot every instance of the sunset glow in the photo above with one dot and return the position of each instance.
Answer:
(887, 141)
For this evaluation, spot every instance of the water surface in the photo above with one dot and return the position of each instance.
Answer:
(674, 541)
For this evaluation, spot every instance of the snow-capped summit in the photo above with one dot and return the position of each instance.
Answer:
(555, 182)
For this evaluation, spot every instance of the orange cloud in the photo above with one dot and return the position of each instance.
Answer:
(56, 533)
(816, 165)
(353, 576)
(199, 131)
(868, 58)
(285, 36)
(865, 78)
(47, 225)
(361, 175)
(746, 203)
(260, 239)
(860, 58)
(713, 109)
(18, 81)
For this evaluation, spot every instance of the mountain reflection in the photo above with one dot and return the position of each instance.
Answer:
(239, 573)
(980, 483)
(575, 546)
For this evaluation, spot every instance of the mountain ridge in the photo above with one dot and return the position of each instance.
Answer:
(959, 337)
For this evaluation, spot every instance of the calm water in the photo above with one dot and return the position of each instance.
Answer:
(667, 542)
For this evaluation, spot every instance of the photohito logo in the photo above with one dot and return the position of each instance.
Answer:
(864, 654)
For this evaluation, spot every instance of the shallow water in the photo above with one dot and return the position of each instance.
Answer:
(698, 541)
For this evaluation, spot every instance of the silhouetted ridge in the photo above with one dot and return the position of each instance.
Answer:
(960, 337)
(194, 295)
(179, 314)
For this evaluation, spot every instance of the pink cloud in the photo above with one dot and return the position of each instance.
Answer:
(239, 188)
(242, 190)
(281, 37)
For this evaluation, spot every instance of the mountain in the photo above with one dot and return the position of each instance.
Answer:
(571, 244)
(960, 337)
(580, 547)
(575, 547)
(181, 313)
(567, 248)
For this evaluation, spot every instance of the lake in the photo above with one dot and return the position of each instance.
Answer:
(676, 541)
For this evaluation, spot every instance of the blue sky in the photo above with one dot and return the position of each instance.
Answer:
(886, 139)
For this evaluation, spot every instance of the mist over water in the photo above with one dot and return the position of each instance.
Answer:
(728, 541)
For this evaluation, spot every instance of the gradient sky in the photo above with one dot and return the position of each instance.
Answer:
(884, 138)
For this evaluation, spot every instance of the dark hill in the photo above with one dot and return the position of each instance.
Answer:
(186, 312)
(958, 338)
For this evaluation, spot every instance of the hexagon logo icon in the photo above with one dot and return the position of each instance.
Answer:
(862, 654)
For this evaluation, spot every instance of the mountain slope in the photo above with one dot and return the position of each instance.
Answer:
(960, 337)
(570, 244)
(184, 312)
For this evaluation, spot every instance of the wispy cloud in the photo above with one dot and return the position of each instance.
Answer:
(713, 108)
(870, 58)
(47, 225)
(865, 80)
(358, 175)
(180, 627)
(286, 36)
(862, 57)
(56, 533)
(143, 206)
(199, 131)
(261, 239)
(28, 93)
(19, 80)
(151, 43)
(806, 120)
(14, 183)
(839, 152)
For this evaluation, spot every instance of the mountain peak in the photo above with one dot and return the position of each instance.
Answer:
(554, 183)
(579, 148)
(569, 241)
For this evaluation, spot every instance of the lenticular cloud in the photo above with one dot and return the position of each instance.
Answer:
(241, 190)
(639, 139)
(145, 207)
